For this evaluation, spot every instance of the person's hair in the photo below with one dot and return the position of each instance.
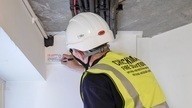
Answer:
(98, 49)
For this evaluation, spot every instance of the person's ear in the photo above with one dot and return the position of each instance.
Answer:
(81, 55)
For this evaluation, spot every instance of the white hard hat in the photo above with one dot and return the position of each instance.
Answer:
(87, 31)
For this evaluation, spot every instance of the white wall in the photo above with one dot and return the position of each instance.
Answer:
(169, 56)
(58, 92)
(14, 66)
(2, 84)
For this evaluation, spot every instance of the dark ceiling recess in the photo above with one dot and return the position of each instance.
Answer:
(107, 9)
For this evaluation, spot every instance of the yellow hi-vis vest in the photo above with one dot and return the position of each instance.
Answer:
(133, 80)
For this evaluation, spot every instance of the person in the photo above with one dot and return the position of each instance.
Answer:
(109, 79)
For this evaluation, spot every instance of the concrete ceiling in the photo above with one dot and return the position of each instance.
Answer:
(150, 16)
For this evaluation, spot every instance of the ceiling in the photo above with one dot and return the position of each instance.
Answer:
(150, 16)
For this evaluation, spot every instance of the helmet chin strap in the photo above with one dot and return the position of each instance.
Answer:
(89, 55)
(85, 65)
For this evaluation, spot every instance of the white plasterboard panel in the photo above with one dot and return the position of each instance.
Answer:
(126, 42)
(169, 57)
(17, 23)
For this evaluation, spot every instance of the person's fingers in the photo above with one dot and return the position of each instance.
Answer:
(64, 62)
(65, 57)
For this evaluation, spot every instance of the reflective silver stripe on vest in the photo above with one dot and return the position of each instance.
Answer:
(126, 83)
(162, 105)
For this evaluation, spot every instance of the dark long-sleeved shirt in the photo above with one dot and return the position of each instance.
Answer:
(99, 92)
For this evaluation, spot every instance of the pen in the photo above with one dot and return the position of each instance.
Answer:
(69, 59)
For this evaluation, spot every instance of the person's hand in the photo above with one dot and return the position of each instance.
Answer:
(69, 61)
